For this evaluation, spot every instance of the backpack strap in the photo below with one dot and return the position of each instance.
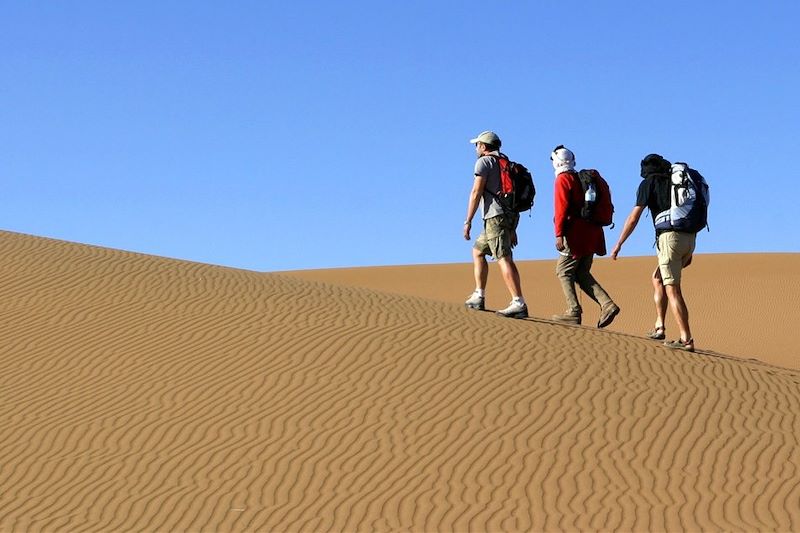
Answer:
(498, 158)
(496, 195)
(576, 210)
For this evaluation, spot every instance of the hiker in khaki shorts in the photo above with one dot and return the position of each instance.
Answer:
(675, 249)
(499, 233)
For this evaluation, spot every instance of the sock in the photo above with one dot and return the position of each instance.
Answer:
(481, 292)
(519, 299)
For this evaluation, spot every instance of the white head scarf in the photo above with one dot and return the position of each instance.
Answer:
(563, 159)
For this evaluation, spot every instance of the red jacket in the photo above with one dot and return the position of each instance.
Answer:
(583, 237)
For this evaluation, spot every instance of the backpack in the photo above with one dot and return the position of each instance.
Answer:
(517, 190)
(597, 206)
(689, 199)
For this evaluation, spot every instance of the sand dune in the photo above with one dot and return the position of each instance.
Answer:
(147, 394)
(743, 305)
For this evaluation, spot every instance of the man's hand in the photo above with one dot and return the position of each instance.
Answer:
(467, 226)
(627, 229)
(560, 246)
(514, 241)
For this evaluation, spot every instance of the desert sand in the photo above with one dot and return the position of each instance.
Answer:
(141, 393)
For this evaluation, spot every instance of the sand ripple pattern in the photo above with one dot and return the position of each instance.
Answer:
(146, 394)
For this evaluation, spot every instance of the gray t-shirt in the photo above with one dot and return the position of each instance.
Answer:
(488, 168)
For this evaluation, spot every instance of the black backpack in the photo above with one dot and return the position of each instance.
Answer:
(517, 190)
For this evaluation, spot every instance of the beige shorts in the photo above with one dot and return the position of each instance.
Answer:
(674, 253)
(495, 239)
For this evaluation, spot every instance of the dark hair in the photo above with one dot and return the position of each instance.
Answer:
(654, 164)
(492, 147)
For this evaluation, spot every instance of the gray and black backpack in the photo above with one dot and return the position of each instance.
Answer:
(689, 199)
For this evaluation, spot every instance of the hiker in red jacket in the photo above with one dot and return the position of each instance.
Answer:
(578, 238)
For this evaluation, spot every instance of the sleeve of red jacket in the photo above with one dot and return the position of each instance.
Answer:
(561, 204)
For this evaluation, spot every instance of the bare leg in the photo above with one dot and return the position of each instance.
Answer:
(660, 298)
(481, 269)
(679, 310)
(511, 276)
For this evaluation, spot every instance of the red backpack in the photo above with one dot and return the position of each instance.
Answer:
(517, 190)
(597, 205)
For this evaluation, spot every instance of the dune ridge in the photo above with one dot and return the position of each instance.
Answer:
(150, 394)
(743, 305)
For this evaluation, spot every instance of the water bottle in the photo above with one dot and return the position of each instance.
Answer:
(591, 195)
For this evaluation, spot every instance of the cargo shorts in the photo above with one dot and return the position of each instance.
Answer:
(495, 239)
(674, 253)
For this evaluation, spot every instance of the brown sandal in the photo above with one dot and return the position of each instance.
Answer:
(681, 345)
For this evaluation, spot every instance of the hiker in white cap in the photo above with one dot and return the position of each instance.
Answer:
(499, 233)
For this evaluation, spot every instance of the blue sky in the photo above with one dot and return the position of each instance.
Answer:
(273, 135)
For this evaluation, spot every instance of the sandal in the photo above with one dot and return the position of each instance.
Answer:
(681, 345)
(658, 333)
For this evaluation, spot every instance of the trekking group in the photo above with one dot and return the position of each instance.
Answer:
(676, 195)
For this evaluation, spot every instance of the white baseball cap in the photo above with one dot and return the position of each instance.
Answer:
(487, 137)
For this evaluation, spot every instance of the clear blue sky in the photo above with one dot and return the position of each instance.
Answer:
(285, 135)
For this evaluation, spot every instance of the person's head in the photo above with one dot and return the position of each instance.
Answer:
(563, 159)
(655, 165)
(486, 143)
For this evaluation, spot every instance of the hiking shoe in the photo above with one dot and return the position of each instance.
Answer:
(475, 301)
(516, 309)
(607, 314)
(658, 333)
(568, 318)
(681, 345)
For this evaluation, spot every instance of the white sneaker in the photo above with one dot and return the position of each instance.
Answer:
(516, 309)
(475, 301)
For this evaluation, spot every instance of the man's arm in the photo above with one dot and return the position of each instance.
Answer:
(560, 210)
(630, 225)
(474, 199)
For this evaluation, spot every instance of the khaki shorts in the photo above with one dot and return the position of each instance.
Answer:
(674, 253)
(495, 239)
